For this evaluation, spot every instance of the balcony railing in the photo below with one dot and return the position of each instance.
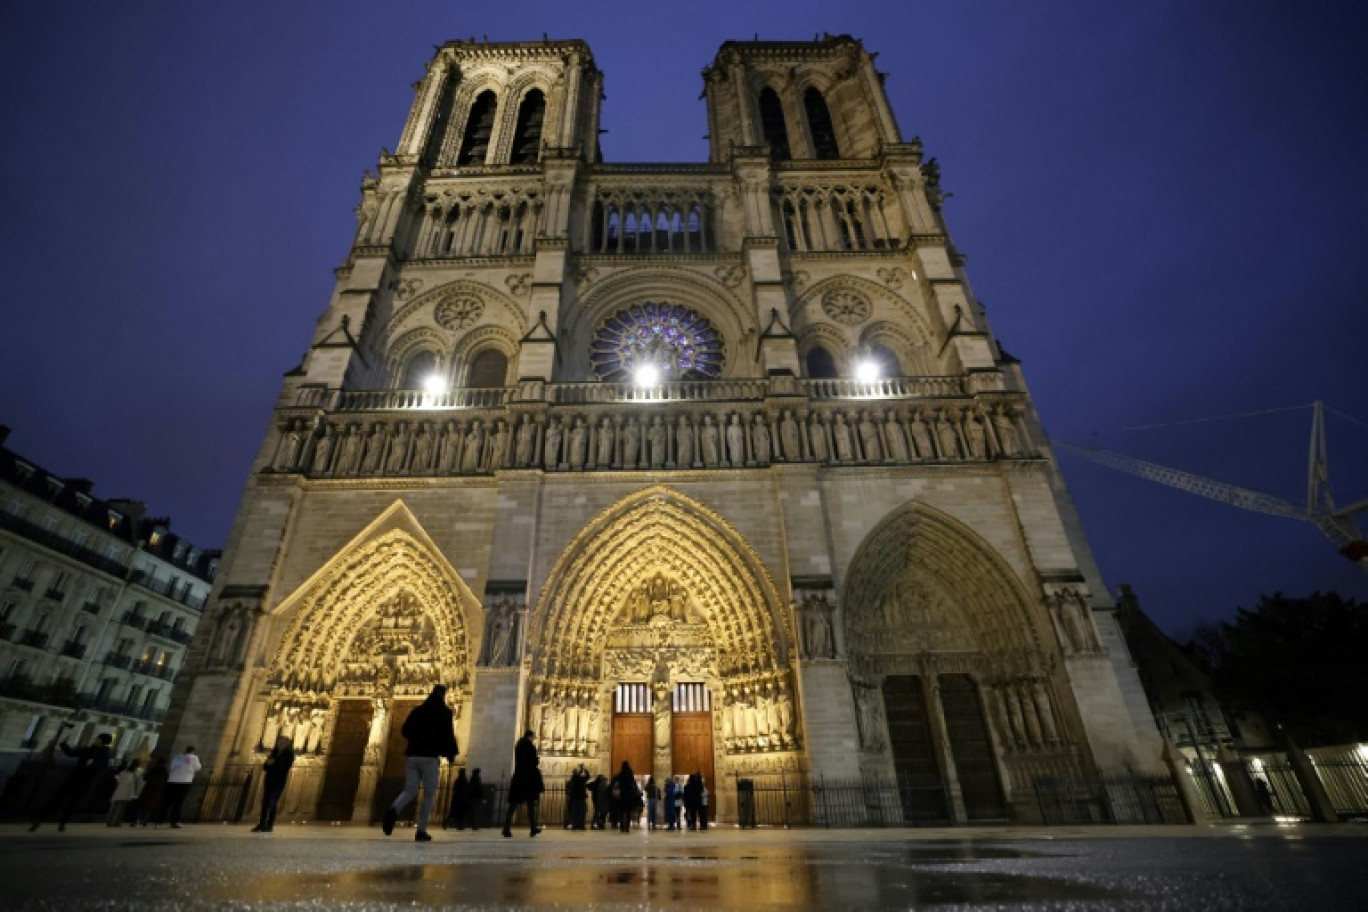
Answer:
(169, 588)
(55, 542)
(133, 619)
(168, 632)
(115, 660)
(675, 391)
(74, 650)
(122, 708)
(19, 582)
(35, 638)
(91, 607)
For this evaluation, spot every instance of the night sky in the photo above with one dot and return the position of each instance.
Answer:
(1163, 206)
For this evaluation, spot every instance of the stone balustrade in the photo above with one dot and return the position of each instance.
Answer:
(577, 427)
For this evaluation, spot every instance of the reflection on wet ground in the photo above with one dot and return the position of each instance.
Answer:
(358, 870)
(795, 881)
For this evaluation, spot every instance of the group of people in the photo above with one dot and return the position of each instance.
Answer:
(618, 803)
(153, 796)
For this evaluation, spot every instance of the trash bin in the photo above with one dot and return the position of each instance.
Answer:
(745, 802)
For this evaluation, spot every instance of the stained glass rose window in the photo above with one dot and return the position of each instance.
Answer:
(678, 342)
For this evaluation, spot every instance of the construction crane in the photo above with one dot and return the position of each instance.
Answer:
(1336, 524)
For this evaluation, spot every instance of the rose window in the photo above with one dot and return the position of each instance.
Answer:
(676, 341)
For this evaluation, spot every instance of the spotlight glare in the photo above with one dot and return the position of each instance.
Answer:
(646, 375)
(867, 371)
(434, 385)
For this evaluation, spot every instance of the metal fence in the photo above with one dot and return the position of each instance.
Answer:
(1111, 798)
(782, 801)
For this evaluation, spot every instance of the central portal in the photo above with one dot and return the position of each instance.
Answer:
(632, 725)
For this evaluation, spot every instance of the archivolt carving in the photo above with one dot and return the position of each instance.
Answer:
(658, 531)
(809, 304)
(924, 583)
(485, 337)
(914, 352)
(420, 338)
(389, 581)
(426, 303)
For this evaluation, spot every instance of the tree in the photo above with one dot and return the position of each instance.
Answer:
(1300, 662)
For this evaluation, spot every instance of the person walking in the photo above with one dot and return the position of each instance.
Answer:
(179, 775)
(91, 761)
(475, 799)
(526, 786)
(430, 731)
(625, 796)
(128, 786)
(693, 794)
(671, 815)
(456, 808)
(652, 796)
(277, 767)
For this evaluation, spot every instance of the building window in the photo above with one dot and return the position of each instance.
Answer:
(488, 370)
(820, 364)
(417, 370)
(773, 126)
(49, 524)
(479, 127)
(25, 574)
(80, 537)
(35, 728)
(679, 343)
(17, 669)
(527, 136)
(150, 700)
(819, 124)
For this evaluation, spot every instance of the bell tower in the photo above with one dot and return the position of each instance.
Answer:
(804, 100)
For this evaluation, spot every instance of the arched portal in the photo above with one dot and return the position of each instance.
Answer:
(368, 637)
(954, 680)
(659, 611)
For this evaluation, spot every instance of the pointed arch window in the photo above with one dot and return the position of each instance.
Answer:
(820, 364)
(773, 126)
(527, 136)
(417, 370)
(488, 369)
(479, 127)
(819, 124)
(889, 364)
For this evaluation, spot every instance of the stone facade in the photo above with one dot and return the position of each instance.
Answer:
(704, 465)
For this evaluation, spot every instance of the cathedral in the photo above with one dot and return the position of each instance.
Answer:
(710, 467)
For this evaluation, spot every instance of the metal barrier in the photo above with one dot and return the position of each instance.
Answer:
(1111, 798)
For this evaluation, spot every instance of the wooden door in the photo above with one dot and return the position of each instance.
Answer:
(691, 749)
(920, 786)
(971, 748)
(346, 752)
(391, 781)
(633, 742)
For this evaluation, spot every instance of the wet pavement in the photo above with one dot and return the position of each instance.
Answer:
(321, 867)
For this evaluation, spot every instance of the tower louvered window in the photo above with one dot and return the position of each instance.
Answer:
(527, 136)
(772, 123)
(819, 123)
(479, 127)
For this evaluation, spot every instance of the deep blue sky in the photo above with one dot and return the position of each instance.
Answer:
(1163, 205)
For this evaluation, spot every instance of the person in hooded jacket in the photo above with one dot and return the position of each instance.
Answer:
(277, 773)
(431, 734)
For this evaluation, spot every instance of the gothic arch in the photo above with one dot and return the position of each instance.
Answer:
(473, 84)
(659, 530)
(913, 353)
(953, 591)
(413, 343)
(534, 78)
(808, 307)
(728, 315)
(828, 337)
(482, 339)
(392, 558)
(424, 305)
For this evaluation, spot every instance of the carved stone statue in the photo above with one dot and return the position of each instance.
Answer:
(817, 631)
(474, 448)
(398, 451)
(736, 441)
(317, 719)
(631, 444)
(788, 437)
(526, 431)
(869, 716)
(500, 632)
(605, 444)
(578, 440)
(232, 634)
(841, 432)
(1006, 433)
(656, 438)
(922, 438)
(869, 439)
(818, 439)
(975, 437)
(709, 437)
(348, 452)
(375, 449)
(760, 439)
(893, 435)
(422, 451)
(945, 438)
(287, 455)
(684, 443)
(323, 451)
(551, 449)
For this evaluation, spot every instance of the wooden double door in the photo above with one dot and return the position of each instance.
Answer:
(346, 753)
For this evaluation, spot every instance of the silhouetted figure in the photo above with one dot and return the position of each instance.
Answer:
(577, 797)
(179, 775)
(459, 805)
(671, 811)
(91, 761)
(624, 797)
(526, 785)
(693, 799)
(475, 799)
(277, 767)
(598, 790)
